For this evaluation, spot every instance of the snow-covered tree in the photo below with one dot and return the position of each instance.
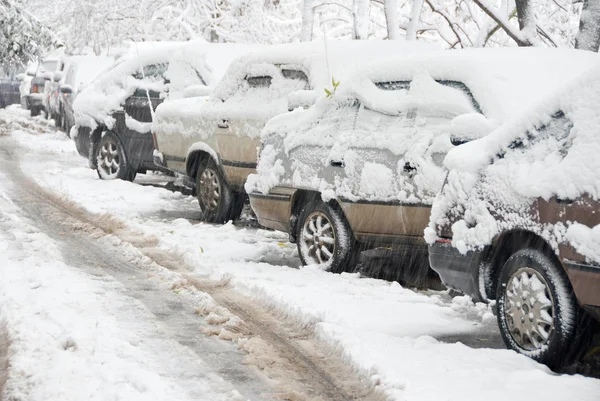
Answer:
(22, 36)
(588, 37)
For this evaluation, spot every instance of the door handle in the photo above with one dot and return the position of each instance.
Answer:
(223, 124)
(337, 163)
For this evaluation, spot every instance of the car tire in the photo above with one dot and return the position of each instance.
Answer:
(111, 159)
(324, 237)
(218, 202)
(35, 111)
(546, 328)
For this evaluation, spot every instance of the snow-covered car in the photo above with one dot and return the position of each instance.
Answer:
(362, 167)
(518, 221)
(9, 88)
(215, 142)
(79, 72)
(37, 99)
(113, 115)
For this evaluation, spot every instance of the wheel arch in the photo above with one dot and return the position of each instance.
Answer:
(503, 246)
(300, 198)
(198, 152)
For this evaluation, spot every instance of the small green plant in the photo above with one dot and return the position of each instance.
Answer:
(335, 84)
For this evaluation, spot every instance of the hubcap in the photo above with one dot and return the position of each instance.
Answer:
(110, 160)
(318, 239)
(210, 190)
(529, 309)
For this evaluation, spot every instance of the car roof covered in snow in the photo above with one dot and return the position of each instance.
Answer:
(503, 81)
(319, 60)
(208, 62)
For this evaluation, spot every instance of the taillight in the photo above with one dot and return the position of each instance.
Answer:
(35, 89)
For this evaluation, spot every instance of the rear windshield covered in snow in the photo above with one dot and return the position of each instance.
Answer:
(553, 136)
(405, 85)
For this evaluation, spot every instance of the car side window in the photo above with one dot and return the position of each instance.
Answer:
(140, 92)
(154, 72)
(296, 75)
(463, 88)
(259, 82)
(393, 85)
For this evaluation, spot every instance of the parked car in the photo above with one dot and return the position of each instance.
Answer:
(52, 86)
(25, 86)
(113, 115)
(9, 88)
(214, 142)
(362, 167)
(36, 98)
(80, 72)
(518, 222)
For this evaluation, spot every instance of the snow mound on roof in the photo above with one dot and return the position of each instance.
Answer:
(189, 63)
(341, 59)
(234, 99)
(550, 152)
(445, 90)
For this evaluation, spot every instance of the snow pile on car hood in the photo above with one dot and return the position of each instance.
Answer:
(447, 89)
(233, 99)
(548, 153)
(189, 64)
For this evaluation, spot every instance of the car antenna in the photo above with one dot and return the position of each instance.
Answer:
(324, 25)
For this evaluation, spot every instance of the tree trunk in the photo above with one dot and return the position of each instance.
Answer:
(308, 20)
(588, 37)
(391, 19)
(361, 19)
(415, 13)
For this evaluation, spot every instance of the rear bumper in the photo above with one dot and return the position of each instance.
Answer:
(457, 271)
(34, 100)
(274, 209)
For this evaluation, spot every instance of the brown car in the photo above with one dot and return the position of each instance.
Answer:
(518, 222)
(361, 168)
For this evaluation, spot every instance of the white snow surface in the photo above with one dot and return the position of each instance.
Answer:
(234, 99)
(189, 64)
(401, 113)
(539, 155)
(384, 330)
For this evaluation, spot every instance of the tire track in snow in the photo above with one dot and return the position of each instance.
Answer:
(303, 368)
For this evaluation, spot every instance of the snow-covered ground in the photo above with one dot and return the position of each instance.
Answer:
(387, 332)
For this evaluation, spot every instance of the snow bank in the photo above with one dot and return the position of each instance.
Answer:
(401, 114)
(548, 152)
(187, 64)
(385, 331)
(234, 98)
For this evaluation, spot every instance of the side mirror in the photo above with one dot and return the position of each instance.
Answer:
(31, 72)
(20, 77)
(66, 89)
(196, 91)
(58, 75)
(301, 98)
(469, 127)
(47, 76)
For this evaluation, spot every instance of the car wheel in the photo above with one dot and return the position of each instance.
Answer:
(111, 158)
(324, 237)
(218, 202)
(34, 112)
(537, 311)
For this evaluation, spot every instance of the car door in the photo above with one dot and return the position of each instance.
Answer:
(139, 109)
(260, 97)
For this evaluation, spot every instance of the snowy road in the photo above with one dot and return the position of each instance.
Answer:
(112, 290)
